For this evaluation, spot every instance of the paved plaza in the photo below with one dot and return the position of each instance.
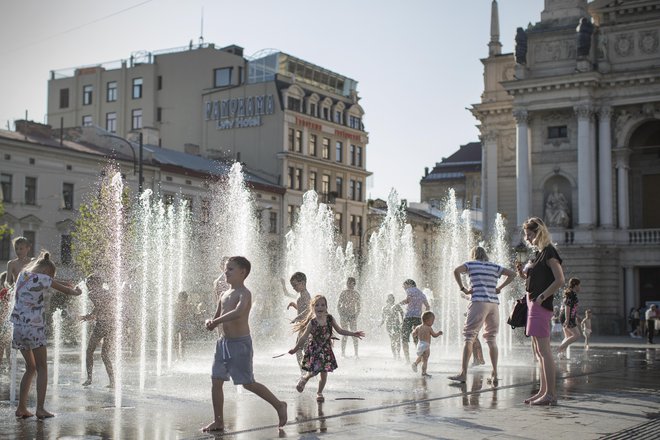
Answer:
(611, 391)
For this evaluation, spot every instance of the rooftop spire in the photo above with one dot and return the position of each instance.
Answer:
(494, 47)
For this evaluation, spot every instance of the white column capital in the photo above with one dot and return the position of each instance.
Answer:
(622, 156)
(489, 137)
(521, 115)
(583, 111)
(605, 112)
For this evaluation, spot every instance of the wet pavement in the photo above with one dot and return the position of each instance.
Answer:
(610, 391)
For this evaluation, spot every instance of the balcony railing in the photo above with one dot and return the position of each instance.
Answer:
(644, 236)
(634, 237)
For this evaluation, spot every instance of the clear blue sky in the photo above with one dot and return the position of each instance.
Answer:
(417, 61)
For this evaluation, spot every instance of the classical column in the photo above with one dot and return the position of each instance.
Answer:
(489, 185)
(522, 165)
(622, 166)
(605, 167)
(593, 183)
(585, 169)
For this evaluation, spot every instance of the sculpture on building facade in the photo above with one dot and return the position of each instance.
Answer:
(584, 31)
(521, 46)
(557, 211)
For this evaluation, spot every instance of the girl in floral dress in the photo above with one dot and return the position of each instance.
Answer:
(29, 321)
(318, 357)
(571, 321)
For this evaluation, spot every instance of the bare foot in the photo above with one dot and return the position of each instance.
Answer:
(23, 414)
(111, 386)
(213, 427)
(282, 414)
(43, 414)
(458, 378)
(87, 383)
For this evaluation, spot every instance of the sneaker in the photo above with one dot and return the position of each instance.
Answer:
(414, 367)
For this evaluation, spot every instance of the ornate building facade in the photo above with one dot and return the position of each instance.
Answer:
(570, 125)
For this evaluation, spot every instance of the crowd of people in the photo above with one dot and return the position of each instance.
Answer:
(479, 281)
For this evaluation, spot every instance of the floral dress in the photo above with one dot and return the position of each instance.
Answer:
(571, 304)
(28, 315)
(318, 356)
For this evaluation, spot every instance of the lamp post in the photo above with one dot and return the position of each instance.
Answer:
(137, 163)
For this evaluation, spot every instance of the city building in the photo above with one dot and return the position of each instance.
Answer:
(461, 172)
(293, 123)
(570, 127)
(47, 174)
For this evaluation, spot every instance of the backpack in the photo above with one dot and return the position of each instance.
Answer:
(518, 316)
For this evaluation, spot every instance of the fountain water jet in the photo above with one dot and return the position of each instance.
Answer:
(117, 235)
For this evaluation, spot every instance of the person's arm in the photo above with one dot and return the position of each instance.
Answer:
(510, 275)
(436, 334)
(10, 275)
(415, 331)
(218, 311)
(519, 269)
(558, 273)
(65, 289)
(358, 307)
(399, 310)
(457, 276)
(358, 334)
(302, 339)
(284, 289)
(242, 309)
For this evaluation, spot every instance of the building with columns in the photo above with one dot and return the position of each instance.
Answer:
(570, 125)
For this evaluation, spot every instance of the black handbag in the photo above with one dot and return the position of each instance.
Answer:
(518, 316)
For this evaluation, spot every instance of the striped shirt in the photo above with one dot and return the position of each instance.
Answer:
(483, 277)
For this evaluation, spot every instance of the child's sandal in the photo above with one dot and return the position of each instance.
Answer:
(300, 387)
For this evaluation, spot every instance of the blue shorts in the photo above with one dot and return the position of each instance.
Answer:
(233, 358)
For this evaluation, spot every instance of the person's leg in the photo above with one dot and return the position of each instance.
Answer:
(353, 326)
(26, 383)
(542, 384)
(322, 380)
(650, 324)
(548, 394)
(425, 361)
(477, 352)
(40, 361)
(397, 344)
(572, 335)
(107, 351)
(491, 327)
(344, 323)
(473, 323)
(263, 392)
(218, 398)
(393, 344)
(93, 342)
(406, 329)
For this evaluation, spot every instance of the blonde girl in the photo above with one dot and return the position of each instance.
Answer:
(316, 337)
(29, 321)
(571, 329)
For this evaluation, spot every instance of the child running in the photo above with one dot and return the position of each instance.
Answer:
(29, 322)
(317, 341)
(423, 332)
(104, 329)
(5, 325)
(299, 283)
(392, 316)
(233, 352)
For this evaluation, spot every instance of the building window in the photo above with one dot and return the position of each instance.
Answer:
(189, 201)
(326, 113)
(111, 122)
(353, 162)
(64, 98)
(355, 122)
(299, 179)
(87, 121)
(30, 190)
(168, 199)
(65, 249)
(291, 177)
(136, 119)
(338, 117)
(292, 138)
(351, 189)
(137, 88)
(291, 214)
(358, 190)
(359, 156)
(272, 227)
(259, 217)
(326, 148)
(312, 109)
(312, 145)
(32, 239)
(159, 114)
(205, 211)
(339, 186)
(160, 82)
(557, 132)
(111, 92)
(339, 152)
(293, 104)
(325, 184)
(6, 186)
(87, 94)
(299, 138)
(339, 223)
(5, 247)
(356, 225)
(312, 181)
(67, 196)
(222, 77)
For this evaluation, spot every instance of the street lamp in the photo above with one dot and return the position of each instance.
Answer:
(136, 163)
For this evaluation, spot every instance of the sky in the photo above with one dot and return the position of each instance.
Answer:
(417, 62)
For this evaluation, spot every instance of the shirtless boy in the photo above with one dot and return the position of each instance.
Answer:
(22, 248)
(424, 333)
(233, 352)
(299, 283)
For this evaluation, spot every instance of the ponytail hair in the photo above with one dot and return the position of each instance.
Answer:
(42, 264)
(572, 283)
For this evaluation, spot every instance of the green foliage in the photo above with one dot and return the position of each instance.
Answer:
(90, 238)
(4, 229)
